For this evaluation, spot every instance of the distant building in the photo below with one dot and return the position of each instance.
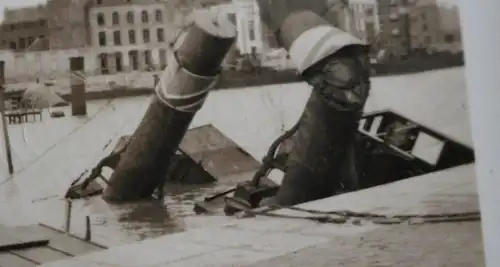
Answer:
(24, 29)
(68, 23)
(361, 19)
(451, 30)
(394, 37)
(249, 27)
(245, 15)
(408, 25)
(130, 35)
(425, 24)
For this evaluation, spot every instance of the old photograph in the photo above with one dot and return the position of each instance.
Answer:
(198, 133)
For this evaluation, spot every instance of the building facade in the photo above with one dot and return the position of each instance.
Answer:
(24, 29)
(68, 23)
(425, 24)
(130, 35)
(245, 15)
(249, 27)
(361, 18)
(408, 25)
(451, 30)
(394, 36)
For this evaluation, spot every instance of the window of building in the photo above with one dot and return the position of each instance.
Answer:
(158, 15)
(103, 62)
(22, 43)
(131, 37)
(102, 38)
(117, 38)
(147, 59)
(251, 30)
(232, 17)
(369, 12)
(13, 45)
(119, 61)
(42, 22)
(100, 19)
(134, 62)
(144, 16)
(99, 2)
(130, 17)
(425, 27)
(449, 38)
(160, 35)
(163, 58)
(146, 36)
(30, 41)
(115, 18)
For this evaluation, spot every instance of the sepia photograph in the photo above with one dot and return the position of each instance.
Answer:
(169, 133)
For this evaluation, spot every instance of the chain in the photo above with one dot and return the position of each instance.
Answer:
(356, 218)
(269, 160)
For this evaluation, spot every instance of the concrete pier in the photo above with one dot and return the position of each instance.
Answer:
(265, 241)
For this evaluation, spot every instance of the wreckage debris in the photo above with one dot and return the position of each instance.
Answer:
(204, 155)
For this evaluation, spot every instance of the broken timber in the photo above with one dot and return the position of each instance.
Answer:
(335, 64)
(191, 72)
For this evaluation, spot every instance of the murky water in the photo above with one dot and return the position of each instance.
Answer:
(114, 224)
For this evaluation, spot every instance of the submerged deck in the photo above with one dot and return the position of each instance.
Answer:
(265, 241)
(27, 246)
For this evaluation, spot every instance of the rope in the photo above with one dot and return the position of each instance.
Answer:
(346, 216)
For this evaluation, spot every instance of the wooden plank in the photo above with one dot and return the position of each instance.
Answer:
(17, 237)
(68, 244)
(11, 260)
(41, 255)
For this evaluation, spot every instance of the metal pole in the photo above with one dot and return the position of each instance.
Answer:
(88, 230)
(482, 57)
(5, 130)
(67, 224)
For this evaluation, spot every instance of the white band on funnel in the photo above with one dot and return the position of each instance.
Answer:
(182, 90)
(318, 43)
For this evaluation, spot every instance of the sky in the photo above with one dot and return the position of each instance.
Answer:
(20, 3)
